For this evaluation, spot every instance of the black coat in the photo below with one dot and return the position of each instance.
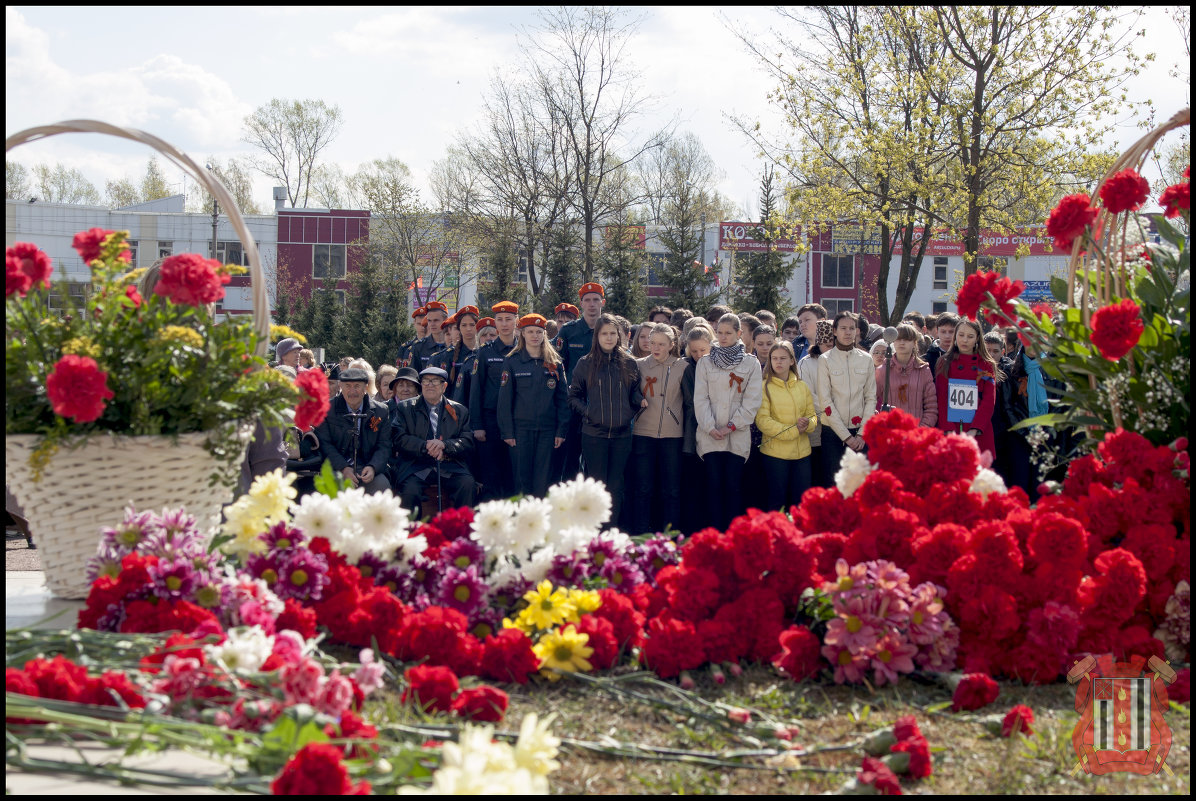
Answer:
(609, 403)
(336, 440)
(413, 429)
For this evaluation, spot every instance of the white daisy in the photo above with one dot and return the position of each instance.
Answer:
(854, 468)
(569, 540)
(316, 515)
(580, 503)
(493, 526)
(536, 568)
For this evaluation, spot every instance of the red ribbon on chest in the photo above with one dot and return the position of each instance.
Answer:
(736, 381)
(650, 386)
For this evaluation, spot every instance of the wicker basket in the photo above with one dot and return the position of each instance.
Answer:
(87, 483)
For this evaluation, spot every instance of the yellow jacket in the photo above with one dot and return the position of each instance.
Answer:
(784, 402)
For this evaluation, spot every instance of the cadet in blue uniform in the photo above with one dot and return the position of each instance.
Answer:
(486, 333)
(533, 405)
(419, 320)
(574, 341)
(443, 359)
(423, 350)
(461, 334)
(494, 457)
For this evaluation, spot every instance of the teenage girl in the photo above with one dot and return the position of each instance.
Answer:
(807, 370)
(966, 383)
(656, 443)
(785, 419)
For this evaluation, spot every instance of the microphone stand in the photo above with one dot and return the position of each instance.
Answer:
(355, 439)
(885, 407)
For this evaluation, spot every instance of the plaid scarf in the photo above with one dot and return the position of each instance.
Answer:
(727, 358)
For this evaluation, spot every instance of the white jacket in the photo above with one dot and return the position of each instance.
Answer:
(720, 399)
(807, 369)
(846, 390)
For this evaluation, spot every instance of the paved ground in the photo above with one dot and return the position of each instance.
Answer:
(17, 553)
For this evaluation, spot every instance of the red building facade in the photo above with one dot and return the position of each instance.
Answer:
(314, 244)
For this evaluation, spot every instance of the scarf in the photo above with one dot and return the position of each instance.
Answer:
(1036, 395)
(727, 358)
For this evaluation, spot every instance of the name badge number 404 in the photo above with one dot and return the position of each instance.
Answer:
(963, 399)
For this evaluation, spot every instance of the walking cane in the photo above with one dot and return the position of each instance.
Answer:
(439, 496)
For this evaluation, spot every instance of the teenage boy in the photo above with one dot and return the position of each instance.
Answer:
(423, 350)
(494, 457)
(573, 342)
(807, 323)
(945, 329)
(421, 331)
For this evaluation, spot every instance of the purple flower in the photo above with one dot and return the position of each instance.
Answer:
(370, 564)
(599, 550)
(463, 590)
(113, 616)
(302, 575)
(207, 566)
(621, 573)
(569, 570)
(174, 524)
(129, 533)
(173, 578)
(266, 566)
(208, 593)
(461, 554)
(504, 596)
(425, 574)
(171, 545)
(280, 537)
(656, 553)
(485, 621)
(106, 562)
(391, 577)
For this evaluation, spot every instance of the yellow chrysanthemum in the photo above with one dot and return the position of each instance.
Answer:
(181, 335)
(586, 601)
(273, 493)
(244, 524)
(233, 269)
(564, 650)
(520, 623)
(279, 332)
(133, 276)
(81, 346)
(547, 607)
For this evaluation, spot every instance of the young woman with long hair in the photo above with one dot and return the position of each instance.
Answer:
(966, 382)
(727, 394)
(699, 339)
(846, 392)
(785, 418)
(533, 405)
(911, 386)
(657, 438)
(807, 369)
(605, 393)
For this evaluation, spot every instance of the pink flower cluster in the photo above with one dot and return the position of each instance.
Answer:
(884, 626)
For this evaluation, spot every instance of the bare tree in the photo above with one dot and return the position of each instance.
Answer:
(234, 174)
(16, 181)
(58, 184)
(291, 134)
(120, 193)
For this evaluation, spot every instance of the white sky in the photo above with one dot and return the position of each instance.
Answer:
(406, 79)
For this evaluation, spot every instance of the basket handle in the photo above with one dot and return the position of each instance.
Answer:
(204, 177)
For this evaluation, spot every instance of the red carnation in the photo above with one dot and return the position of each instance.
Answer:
(627, 621)
(876, 774)
(190, 279)
(1124, 191)
(920, 765)
(906, 728)
(508, 656)
(1116, 329)
(974, 691)
(976, 290)
(89, 243)
(1019, 719)
(1175, 198)
(1069, 219)
(431, 687)
(485, 703)
(105, 690)
(58, 678)
(601, 638)
(313, 408)
(672, 646)
(134, 296)
(77, 388)
(296, 617)
(800, 656)
(1180, 690)
(31, 262)
(317, 770)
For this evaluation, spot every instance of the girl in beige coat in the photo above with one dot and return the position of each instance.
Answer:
(846, 393)
(658, 434)
(727, 395)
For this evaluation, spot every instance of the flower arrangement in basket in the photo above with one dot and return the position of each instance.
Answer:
(134, 364)
(1121, 343)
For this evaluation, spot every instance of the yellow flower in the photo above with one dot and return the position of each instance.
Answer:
(244, 523)
(133, 276)
(564, 650)
(181, 335)
(280, 332)
(586, 601)
(233, 269)
(272, 493)
(547, 607)
(81, 346)
(519, 623)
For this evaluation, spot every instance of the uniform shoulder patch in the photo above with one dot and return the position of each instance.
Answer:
(506, 376)
(474, 371)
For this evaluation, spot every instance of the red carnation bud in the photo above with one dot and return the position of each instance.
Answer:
(1180, 444)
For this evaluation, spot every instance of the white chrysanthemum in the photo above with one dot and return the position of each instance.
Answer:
(493, 526)
(569, 540)
(412, 547)
(986, 481)
(244, 650)
(476, 765)
(383, 521)
(530, 524)
(536, 749)
(349, 502)
(273, 492)
(854, 468)
(317, 515)
(536, 568)
(617, 538)
(502, 572)
(580, 503)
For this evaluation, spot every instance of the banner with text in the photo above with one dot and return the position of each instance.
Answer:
(741, 236)
(992, 243)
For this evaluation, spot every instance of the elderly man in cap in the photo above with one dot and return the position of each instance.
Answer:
(432, 444)
(287, 352)
(356, 435)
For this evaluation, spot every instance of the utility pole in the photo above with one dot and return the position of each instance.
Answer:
(215, 220)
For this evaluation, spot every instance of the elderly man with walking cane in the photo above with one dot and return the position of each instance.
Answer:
(432, 443)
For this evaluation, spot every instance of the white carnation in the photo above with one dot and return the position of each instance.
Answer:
(316, 515)
(493, 526)
(244, 650)
(854, 468)
(570, 540)
(986, 481)
(580, 503)
(530, 525)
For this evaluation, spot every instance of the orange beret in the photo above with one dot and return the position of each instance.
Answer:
(486, 322)
(435, 305)
(452, 319)
(566, 307)
(533, 319)
(420, 312)
(468, 310)
(505, 307)
(590, 287)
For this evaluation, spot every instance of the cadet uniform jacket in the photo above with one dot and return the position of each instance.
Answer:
(485, 380)
(574, 341)
(423, 351)
(532, 396)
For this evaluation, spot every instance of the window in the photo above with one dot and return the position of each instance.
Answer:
(656, 262)
(938, 307)
(132, 246)
(67, 295)
(165, 249)
(835, 305)
(522, 278)
(231, 252)
(989, 264)
(940, 272)
(838, 272)
(339, 293)
(328, 261)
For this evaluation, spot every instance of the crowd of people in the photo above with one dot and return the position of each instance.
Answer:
(728, 411)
